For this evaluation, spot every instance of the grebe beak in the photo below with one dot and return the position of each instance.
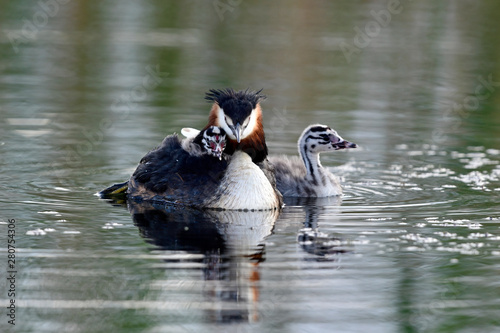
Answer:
(344, 144)
(339, 143)
(218, 152)
(237, 132)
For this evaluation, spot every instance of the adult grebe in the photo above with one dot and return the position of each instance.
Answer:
(306, 177)
(172, 173)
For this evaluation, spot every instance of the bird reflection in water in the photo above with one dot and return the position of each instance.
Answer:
(322, 246)
(231, 247)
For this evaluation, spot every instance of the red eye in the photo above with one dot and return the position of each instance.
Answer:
(212, 145)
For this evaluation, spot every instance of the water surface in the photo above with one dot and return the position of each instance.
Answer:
(412, 246)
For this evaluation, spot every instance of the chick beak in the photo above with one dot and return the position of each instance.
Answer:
(218, 152)
(237, 132)
(344, 144)
(339, 143)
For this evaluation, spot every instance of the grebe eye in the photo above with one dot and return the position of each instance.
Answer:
(246, 122)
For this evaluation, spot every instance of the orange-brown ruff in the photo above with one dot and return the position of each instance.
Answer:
(239, 109)
(242, 179)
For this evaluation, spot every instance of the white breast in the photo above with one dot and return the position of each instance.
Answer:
(245, 186)
(331, 188)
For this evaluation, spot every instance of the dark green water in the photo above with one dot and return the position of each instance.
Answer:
(87, 88)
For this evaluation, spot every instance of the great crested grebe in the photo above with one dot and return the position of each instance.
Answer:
(243, 180)
(306, 177)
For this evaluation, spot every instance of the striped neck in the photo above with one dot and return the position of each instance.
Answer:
(314, 169)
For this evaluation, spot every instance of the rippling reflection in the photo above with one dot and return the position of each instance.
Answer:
(231, 247)
(322, 246)
(419, 223)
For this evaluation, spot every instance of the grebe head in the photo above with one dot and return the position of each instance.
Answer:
(214, 141)
(320, 138)
(236, 112)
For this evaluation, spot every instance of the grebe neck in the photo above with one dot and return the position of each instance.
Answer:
(314, 169)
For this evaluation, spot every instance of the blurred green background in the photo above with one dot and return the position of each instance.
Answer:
(88, 87)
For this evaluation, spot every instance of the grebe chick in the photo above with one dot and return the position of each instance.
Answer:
(210, 141)
(306, 177)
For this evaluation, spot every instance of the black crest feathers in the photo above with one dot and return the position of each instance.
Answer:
(221, 96)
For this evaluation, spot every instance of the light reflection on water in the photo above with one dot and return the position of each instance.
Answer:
(384, 248)
(413, 246)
